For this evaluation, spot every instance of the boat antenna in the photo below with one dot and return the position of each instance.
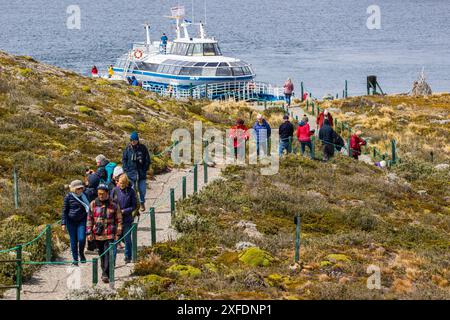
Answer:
(205, 12)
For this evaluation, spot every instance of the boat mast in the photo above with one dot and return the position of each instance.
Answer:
(147, 32)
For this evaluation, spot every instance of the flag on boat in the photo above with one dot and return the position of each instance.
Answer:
(177, 11)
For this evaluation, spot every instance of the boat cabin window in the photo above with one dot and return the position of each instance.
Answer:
(208, 72)
(208, 49)
(196, 49)
(238, 72)
(224, 72)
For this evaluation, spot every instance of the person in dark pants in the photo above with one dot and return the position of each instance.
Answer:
(286, 132)
(288, 91)
(74, 215)
(328, 136)
(104, 226)
(92, 183)
(136, 162)
(239, 134)
(263, 133)
(304, 134)
(125, 197)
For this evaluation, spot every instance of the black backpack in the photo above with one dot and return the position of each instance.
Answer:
(339, 142)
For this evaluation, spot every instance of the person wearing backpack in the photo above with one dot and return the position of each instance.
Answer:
(105, 169)
(92, 183)
(125, 197)
(327, 136)
(74, 216)
(104, 226)
(136, 162)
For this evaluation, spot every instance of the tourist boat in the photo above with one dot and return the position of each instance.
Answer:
(191, 66)
(186, 61)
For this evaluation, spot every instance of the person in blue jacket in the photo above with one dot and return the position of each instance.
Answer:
(164, 40)
(134, 81)
(263, 132)
(125, 197)
(136, 162)
(74, 218)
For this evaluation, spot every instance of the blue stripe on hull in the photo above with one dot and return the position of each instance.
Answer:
(188, 78)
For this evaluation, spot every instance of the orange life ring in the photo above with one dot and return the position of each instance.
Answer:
(138, 54)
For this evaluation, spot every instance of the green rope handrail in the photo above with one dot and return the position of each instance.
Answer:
(59, 221)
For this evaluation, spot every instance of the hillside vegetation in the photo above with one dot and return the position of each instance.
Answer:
(53, 123)
(238, 234)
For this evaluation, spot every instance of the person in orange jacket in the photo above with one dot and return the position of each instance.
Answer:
(324, 115)
(355, 144)
(239, 133)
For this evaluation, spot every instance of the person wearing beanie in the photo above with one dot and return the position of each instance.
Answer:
(74, 215)
(104, 226)
(136, 162)
(286, 131)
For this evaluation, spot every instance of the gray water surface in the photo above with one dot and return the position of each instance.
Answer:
(319, 42)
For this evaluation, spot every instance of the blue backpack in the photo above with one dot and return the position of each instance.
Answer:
(109, 171)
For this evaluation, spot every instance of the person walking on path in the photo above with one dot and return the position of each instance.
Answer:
(104, 226)
(288, 91)
(304, 134)
(356, 143)
(239, 134)
(136, 162)
(125, 197)
(327, 135)
(322, 116)
(74, 216)
(286, 131)
(263, 132)
(92, 183)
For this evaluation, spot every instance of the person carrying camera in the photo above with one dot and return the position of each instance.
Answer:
(74, 215)
(136, 162)
(104, 226)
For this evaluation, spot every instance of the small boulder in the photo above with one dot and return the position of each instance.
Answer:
(242, 245)
(442, 166)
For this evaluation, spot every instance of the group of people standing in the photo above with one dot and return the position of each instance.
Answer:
(103, 207)
(331, 141)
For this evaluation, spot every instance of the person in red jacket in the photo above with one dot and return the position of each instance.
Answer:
(94, 72)
(239, 134)
(288, 91)
(324, 115)
(355, 144)
(304, 134)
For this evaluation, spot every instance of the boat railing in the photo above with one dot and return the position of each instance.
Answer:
(237, 90)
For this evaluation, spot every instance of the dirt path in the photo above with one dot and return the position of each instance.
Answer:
(53, 282)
